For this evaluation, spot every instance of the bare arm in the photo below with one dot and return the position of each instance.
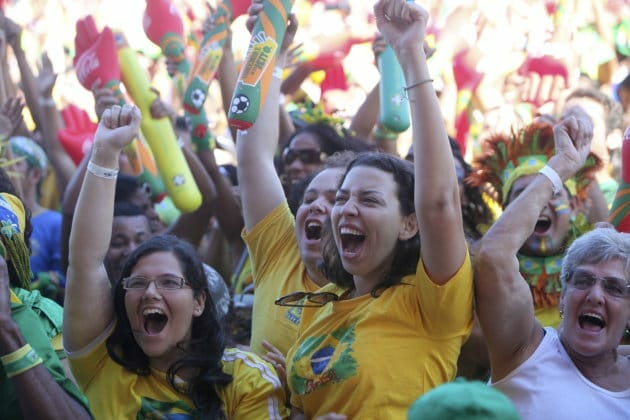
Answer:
(28, 82)
(38, 394)
(367, 115)
(88, 306)
(226, 207)
(68, 204)
(51, 123)
(192, 226)
(504, 301)
(227, 75)
(436, 191)
(261, 189)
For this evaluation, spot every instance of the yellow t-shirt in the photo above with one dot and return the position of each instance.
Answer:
(277, 270)
(117, 393)
(372, 357)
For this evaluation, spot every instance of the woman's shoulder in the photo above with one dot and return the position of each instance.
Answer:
(237, 362)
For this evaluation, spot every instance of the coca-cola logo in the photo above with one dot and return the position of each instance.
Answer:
(88, 62)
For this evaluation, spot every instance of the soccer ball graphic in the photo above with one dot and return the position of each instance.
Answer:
(240, 104)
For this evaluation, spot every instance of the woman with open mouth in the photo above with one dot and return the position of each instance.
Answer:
(154, 347)
(396, 248)
(576, 371)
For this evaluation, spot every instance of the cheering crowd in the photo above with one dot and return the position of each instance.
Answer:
(162, 257)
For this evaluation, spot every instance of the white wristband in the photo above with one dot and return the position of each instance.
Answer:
(552, 176)
(101, 172)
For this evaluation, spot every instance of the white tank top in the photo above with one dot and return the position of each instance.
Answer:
(549, 386)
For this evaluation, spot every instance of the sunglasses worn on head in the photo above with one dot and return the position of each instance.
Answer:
(612, 286)
(306, 299)
(308, 156)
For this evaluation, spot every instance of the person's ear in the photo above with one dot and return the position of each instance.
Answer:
(408, 227)
(199, 304)
(36, 174)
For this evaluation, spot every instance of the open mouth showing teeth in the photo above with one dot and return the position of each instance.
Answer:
(313, 231)
(542, 225)
(591, 322)
(154, 321)
(351, 239)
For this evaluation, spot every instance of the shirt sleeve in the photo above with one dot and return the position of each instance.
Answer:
(256, 391)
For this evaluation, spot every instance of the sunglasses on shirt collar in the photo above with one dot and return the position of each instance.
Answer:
(306, 299)
(308, 156)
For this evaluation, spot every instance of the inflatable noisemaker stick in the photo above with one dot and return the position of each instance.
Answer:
(77, 134)
(393, 107)
(620, 210)
(237, 7)
(96, 60)
(195, 89)
(258, 66)
(172, 166)
(204, 70)
(96, 66)
(163, 25)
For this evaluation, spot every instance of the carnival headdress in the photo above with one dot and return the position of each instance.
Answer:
(524, 152)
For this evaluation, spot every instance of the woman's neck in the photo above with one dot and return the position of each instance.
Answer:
(610, 371)
(316, 276)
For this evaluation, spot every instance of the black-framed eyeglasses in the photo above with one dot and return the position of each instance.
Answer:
(306, 299)
(165, 282)
(308, 156)
(612, 286)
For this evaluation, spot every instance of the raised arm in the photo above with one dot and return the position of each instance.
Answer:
(504, 301)
(443, 245)
(88, 306)
(51, 123)
(261, 189)
(37, 388)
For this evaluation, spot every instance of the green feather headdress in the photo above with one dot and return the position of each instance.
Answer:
(509, 157)
(313, 113)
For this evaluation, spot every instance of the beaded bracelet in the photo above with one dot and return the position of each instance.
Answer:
(20, 361)
(102, 172)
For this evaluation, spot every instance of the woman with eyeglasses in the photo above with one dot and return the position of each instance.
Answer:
(578, 370)
(395, 245)
(152, 347)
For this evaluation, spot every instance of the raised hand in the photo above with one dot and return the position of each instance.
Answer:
(12, 110)
(292, 25)
(117, 128)
(160, 109)
(572, 138)
(46, 77)
(401, 23)
(13, 32)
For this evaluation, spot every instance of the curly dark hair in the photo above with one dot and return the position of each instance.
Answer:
(406, 254)
(204, 350)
